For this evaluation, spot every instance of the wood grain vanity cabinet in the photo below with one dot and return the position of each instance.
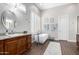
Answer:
(29, 42)
(21, 44)
(11, 46)
(1, 48)
(16, 45)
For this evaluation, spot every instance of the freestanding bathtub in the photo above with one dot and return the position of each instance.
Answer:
(41, 38)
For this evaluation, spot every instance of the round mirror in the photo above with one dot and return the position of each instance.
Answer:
(8, 20)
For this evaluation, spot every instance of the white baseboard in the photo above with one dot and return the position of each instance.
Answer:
(67, 40)
(71, 40)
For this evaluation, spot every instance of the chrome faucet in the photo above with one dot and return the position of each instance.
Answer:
(6, 32)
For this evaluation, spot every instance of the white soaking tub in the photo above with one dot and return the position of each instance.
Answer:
(41, 38)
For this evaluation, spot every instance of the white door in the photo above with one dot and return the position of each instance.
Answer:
(63, 28)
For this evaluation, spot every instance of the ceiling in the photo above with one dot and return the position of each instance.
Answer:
(44, 6)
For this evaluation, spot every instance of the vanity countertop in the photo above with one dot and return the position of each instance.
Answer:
(3, 37)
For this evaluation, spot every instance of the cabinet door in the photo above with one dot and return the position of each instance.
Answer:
(11, 47)
(21, 45)
(29, 41)
(1, 48)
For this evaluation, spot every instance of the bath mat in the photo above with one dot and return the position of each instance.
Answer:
(54, 48)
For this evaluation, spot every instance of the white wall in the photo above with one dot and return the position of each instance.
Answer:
(67, 21)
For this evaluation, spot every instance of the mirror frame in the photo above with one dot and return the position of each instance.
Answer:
(3, 15)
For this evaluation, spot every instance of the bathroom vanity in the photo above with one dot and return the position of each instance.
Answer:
(15, 44)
